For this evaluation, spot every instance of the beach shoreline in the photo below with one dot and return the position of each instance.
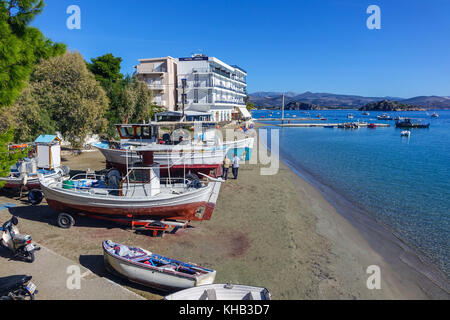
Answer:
(408, 273)
(277, 232)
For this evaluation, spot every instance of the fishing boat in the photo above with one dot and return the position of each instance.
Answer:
(153, 270)
(384, 116)
(435, 115)
(47, 162)
(408, 123)
(140, 198)
(203, 154)
(405, 133)
(221, 292)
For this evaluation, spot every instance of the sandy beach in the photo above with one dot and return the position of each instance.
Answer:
(276, 231)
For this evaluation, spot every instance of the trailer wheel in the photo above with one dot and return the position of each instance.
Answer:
(35, 197)
(65, 220)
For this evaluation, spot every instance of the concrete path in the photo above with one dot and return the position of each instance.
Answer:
(50, 274)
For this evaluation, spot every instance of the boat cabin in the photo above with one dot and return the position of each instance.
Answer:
(145, 133)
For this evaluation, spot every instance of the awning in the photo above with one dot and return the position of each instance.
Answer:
(245, 112)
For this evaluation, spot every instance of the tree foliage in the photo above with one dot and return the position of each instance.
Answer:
(21, 46)
(8, 157)
(130, 99)
(63, 96)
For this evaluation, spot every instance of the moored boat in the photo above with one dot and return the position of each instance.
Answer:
(152, 270)
(221, 292)
(408, 123)
(384, 116)
(371, 126)
(405, 133)
(435, 115)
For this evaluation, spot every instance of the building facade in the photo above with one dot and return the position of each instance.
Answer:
(199, 83)
(210, 85)
(160, 74)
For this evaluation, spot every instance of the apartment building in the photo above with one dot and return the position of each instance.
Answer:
(160, 74)
(207, 85)
(212, 86)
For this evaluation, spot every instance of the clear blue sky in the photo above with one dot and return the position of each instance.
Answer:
(297, 45)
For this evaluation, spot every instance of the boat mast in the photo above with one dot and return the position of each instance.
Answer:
(282, 114)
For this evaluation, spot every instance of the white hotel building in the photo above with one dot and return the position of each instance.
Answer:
(209, 85)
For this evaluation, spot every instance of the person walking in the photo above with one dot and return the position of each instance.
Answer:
(235, 166)
(226, 167)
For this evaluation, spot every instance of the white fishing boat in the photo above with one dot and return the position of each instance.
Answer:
(203, 154)
(25, 173)
(221, 292)
(139, 198)
(152, 270)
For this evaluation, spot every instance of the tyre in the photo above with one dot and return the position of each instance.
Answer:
(30, 257)
(65, 221)
(35, 197)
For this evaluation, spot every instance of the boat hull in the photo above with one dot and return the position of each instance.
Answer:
(196, 205)
(154, 278)
(221, 292)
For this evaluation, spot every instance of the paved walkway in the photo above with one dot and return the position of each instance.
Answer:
(50, 274)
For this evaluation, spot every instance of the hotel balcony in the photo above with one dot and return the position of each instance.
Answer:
(220, 73)
(155, 86)
(142, 69)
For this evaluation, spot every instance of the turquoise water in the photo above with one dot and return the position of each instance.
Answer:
(403, 182)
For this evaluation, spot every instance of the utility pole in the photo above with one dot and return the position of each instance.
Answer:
(183, 96)
(282, 113)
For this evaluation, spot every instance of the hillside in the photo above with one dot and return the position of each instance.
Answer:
(270, 100)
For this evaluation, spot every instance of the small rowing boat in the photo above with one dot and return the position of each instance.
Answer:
(221, 292)
(152, 270)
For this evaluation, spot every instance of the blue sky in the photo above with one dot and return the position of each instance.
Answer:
(297, 45)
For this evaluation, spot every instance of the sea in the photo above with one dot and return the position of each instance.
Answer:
(404, 183)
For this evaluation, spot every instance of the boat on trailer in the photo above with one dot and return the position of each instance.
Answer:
(203, 154)
(47, 162)
(153, 270)
(141, 198)
(221, 292)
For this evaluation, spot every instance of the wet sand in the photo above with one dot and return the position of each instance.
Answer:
(277, 231)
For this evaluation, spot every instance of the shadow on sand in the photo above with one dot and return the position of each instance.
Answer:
(95, 264)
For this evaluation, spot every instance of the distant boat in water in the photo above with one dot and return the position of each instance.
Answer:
(435, 115)
(366, 113)
(405, 133)
(384, 116)
(372, 126)
(407, 123)
(350, 116)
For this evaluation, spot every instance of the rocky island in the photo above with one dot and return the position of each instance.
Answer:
(387, 105)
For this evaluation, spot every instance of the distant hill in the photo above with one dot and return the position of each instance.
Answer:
(387, 105)
(301, 106)
(271, 100)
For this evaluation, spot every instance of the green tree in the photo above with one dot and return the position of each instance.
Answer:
(21, 46)
(8, 157)
(106, 68)
(64, 87)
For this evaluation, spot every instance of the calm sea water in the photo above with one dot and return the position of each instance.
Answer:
(403, 182)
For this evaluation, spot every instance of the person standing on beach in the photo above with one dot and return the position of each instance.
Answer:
(235, 166)
(226, 166)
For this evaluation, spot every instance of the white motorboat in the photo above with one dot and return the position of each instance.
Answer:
(405, 133)
(221, 292)
(152, 270)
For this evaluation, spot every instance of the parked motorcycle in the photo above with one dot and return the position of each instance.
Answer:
(20, 245)
(17, 288)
